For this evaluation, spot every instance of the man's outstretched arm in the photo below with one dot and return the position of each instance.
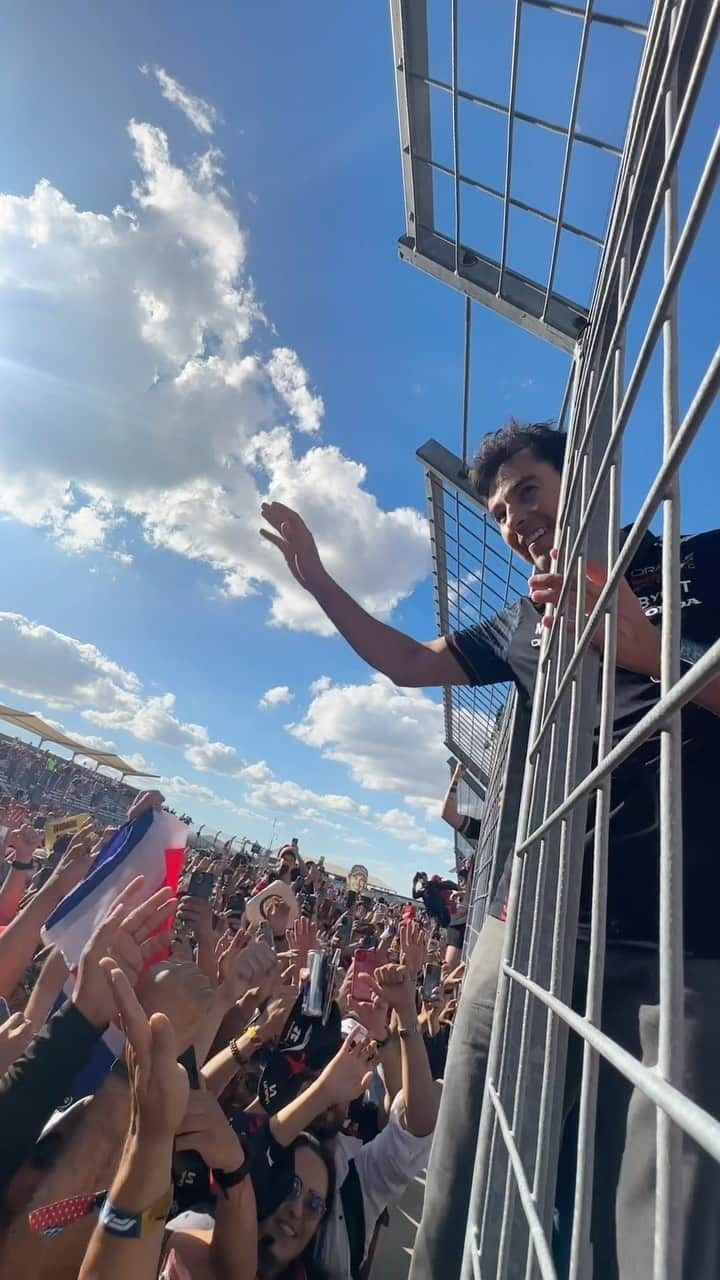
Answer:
(407, 662)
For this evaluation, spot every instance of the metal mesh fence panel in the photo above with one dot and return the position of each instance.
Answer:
(630, 358)
(640, 403)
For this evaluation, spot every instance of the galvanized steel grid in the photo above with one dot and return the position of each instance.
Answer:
(509, 1225)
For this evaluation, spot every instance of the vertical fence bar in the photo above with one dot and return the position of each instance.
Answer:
(570, 138)
(509, 142)
(455, 135)
(580, 1262)
(669, 1227)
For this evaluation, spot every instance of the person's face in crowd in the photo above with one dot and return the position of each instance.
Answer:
(330, 1122)
(287, 1232)
(524, 502)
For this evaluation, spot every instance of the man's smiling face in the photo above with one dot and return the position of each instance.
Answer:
(523, 500)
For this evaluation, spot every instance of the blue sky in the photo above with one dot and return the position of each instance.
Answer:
(163, 369)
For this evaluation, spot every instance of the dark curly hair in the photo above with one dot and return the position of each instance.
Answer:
(544, 439)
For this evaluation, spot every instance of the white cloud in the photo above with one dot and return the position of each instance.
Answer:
(61, 671)
(275, 697)
(290, 381)
(200, 113)
(292, 798)
(136, 346)
(390, 739)
(58, 670)
(38, 662)
(179, 788)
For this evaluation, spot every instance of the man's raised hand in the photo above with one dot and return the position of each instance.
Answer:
(295, 541)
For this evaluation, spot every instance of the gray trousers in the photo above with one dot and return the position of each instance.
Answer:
(624, 1181)
(439, 1242)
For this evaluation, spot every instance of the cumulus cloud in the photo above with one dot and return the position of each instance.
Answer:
(136, 346)
(291, 382)
(63, 672)
(203, 115)
(275, 697)
(177, 788)
(390, 739)
(291, 797)
(38, 662)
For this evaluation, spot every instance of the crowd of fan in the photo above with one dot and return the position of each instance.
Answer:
(50, 783)
(277, 1093)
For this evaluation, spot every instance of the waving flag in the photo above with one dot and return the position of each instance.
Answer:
(152, 845)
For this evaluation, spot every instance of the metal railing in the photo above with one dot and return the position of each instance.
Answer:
(474, 577)
(628, 365)
(480, 253)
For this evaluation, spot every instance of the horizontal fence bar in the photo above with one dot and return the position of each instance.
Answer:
(684, 691)
(697, 1123)
(684, 437)
(513, 201)
(610, 19)
(524, 116)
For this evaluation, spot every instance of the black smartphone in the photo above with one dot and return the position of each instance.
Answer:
(236, 904)
(350, 899)
(201, 885)
(345, 929)
(189, 1062)
(309, 902)
(431, 979)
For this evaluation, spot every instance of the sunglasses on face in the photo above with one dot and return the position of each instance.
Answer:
(314, 1204)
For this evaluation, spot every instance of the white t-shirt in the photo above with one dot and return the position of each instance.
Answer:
(386, 1166)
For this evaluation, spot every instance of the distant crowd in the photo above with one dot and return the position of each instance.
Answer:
(237, 1080)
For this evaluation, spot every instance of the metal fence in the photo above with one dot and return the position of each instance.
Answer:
(644, 384)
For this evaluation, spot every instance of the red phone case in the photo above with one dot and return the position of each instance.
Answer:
(363, 970)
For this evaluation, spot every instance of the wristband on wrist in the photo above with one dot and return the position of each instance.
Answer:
(406, 1033)
(17, 865)
(130, 1225)
(242, 1060)
(227, 1180)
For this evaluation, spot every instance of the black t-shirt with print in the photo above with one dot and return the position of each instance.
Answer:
(506, 647)
(470, 829)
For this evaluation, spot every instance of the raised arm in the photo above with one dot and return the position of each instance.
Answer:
(449, 812)
(394, 986)
(405, 661)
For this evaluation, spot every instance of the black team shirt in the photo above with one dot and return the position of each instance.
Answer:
(505, 647)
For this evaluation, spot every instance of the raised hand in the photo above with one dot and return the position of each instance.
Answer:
(24, 841)
(373, 1017)
(295, 541)
(394, 986)
(146, 800)
(204, 1128)
(272, 1022)
(15, 1035)
(246, 964)
(127, 936)
(183, 992)
(76, 861)
(638, 641)
(159, 1086)
(413, 948)
(196, 915)
(302, 936)
(349, 1072)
